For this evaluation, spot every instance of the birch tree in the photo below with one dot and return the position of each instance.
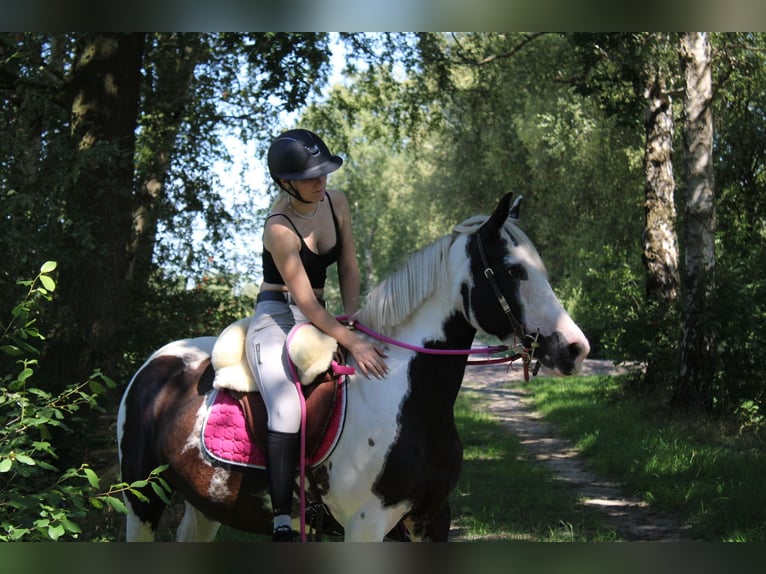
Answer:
(694, 384)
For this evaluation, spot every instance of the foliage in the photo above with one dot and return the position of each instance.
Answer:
(176, 307)
(740, 302)
(40, 501)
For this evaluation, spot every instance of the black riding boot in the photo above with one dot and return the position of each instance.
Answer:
(282, 450)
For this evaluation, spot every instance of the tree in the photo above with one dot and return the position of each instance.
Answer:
(105, 101)
(694, 385)
(109, 142)
(660, 240)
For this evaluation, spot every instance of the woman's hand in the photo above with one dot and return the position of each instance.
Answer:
(369, 359)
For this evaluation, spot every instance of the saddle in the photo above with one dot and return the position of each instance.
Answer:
(235, 428)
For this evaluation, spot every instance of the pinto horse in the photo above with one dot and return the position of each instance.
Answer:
(399, 454)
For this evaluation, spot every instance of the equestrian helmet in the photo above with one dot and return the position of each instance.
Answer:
(300, 154)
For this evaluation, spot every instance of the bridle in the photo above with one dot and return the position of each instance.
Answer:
(489, 275)
(529, 342)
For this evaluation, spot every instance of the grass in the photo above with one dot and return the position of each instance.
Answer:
(711, 477)
(502, 495)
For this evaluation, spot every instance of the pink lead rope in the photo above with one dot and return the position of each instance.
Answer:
(473, 351)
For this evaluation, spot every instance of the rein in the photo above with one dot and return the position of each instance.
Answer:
(526, 354)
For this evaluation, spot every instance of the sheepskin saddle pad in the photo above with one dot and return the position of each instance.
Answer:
(235, 425)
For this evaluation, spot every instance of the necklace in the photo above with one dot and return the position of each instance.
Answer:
(299, 214)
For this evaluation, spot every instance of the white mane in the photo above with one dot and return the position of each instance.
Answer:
(394, 299)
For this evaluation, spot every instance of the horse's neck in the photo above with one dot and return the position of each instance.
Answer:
(437, 321)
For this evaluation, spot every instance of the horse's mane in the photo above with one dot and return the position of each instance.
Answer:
(397, 296)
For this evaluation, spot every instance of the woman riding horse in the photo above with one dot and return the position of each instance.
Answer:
(397, 454)
(308, 230)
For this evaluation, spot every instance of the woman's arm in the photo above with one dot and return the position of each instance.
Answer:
(285, 246)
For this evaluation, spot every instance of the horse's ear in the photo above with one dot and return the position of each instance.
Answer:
(501, 213)
(514, 212)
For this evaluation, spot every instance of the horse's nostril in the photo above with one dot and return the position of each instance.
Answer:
(575, 350)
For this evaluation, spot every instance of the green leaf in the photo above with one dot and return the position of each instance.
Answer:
(92, 477)
(18, 533)
(12, 350)
(70, 526)
(55, 531)
(117, 504)
(24, 375)
(5, 465)
(139, 495)
(96, 388)
(48, 266)
(160, 492)
(24, 459)
(48, 283)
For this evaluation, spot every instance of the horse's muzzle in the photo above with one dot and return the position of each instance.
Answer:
(561, 354)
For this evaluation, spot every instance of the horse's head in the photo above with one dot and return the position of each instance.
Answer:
(508, 294)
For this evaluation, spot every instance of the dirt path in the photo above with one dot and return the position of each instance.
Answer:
(631, 518)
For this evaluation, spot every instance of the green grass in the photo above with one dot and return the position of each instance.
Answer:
(502, 495)
(713, 479)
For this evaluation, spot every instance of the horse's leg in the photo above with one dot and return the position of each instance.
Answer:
(372, 523)
(196, 527)
(435, 530)
(137, 530)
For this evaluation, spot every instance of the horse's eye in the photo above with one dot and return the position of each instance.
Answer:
(517, 271)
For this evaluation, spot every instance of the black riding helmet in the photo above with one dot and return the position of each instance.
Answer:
(300, 154)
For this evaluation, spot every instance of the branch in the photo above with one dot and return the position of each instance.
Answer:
(504, 55)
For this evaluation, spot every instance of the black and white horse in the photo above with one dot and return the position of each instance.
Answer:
(399, 455)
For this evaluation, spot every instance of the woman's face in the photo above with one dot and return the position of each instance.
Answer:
(310, 190)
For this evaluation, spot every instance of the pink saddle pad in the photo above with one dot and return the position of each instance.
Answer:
(225, 437)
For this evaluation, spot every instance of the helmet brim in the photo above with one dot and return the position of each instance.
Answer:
(324, 168)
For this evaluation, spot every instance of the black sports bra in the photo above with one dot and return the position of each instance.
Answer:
(315, 264)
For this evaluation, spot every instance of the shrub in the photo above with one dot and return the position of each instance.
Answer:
(37, 500)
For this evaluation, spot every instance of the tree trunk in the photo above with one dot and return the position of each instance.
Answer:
(694, 384)
(92, 299)
(166, 103)
(660, 241)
